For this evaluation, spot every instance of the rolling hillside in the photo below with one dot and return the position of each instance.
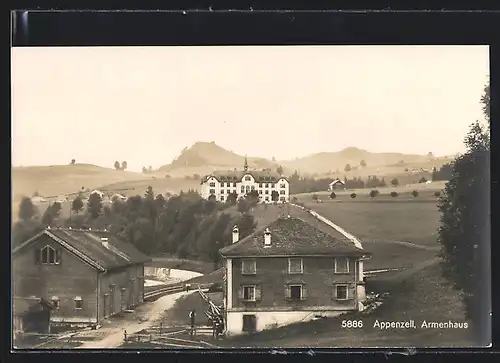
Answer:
(204, 157)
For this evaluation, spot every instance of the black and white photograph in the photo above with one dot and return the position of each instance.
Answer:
(227, 197)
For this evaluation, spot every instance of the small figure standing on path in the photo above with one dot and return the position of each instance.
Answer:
(192, 317)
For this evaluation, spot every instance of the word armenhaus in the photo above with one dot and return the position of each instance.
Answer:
(410, 324)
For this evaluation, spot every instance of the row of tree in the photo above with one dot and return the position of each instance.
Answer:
(184, 225)
(120, 166)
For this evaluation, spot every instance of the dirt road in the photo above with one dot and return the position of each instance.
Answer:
(146, 314)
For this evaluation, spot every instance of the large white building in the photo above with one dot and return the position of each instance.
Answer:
(219, 184)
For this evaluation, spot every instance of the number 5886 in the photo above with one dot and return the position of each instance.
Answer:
(352, 323)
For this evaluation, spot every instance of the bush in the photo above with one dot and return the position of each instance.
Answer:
(333, 195)
(394, 194)
(422, 180)
(294, 200)
(437, 194)
(415, 193)
(353, 195)
(314, 196)
(374, 193)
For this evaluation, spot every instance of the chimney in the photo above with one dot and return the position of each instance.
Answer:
(236, 234)
(104, 241)
(267, 238)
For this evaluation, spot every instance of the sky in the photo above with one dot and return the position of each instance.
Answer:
(145, 104)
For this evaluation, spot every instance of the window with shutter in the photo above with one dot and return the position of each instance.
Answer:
(341, 265)
(258, 293)
(341, 292)
(304, 292)
(248, 267)
(287, 292)
(249, 293)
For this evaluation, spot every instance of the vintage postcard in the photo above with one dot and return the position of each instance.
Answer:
(250, 197)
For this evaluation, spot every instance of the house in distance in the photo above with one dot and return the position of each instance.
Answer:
(297, 268)
(86, 275)
(271, 186)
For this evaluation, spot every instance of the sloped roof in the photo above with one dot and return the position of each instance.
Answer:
(260, 176)
(87, 244)
(299, 234)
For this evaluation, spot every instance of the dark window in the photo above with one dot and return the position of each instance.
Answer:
(296, 292)
(249, 293)
(78, 303)
(341, 292)
(282, 192)
(242, 189)
(295, 265)
(283, 199)
(50, 256)
(212, 184)
(267, 191)
(222, 198)
(283, 186)
(212, 191)
(222, 191)
(248, 178)
(249, 323)
(260, 191)
(228, 191)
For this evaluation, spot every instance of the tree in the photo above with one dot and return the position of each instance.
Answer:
(333, 195)
(124, 165)
(415, 193)
(246, 225)
(73, 161)
(347, 167)
(275, 196)
(279, 170)
(422, 180)
(232, 198)
(77, 205)
(395, 182)
(430, 154)
(437, 194)
(362, 164)
(243, 205)
(160, 201)
(144, 170)
(94, 205)
(353, 195)
(434, 173)
(51, 213)
(253, 197)
(117, 165)
(150, 169)
(374, 193)
(149, 193)
(394, 194)
(27, 210)
(464, 232)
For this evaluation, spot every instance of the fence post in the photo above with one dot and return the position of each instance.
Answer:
(125, 335)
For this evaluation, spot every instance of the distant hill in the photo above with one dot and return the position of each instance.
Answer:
(204, 157)
(331, 161)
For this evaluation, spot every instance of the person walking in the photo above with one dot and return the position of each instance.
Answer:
(192, 317)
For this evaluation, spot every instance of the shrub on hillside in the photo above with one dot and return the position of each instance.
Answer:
(422, 180)
(374, 193)
(353, 195)
(437, 194)
(394, 194)
(294, 200)
(333, 195)
(415, 193)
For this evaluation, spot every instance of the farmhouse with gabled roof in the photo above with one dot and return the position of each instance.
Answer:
(87, 275)
(296, 269)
